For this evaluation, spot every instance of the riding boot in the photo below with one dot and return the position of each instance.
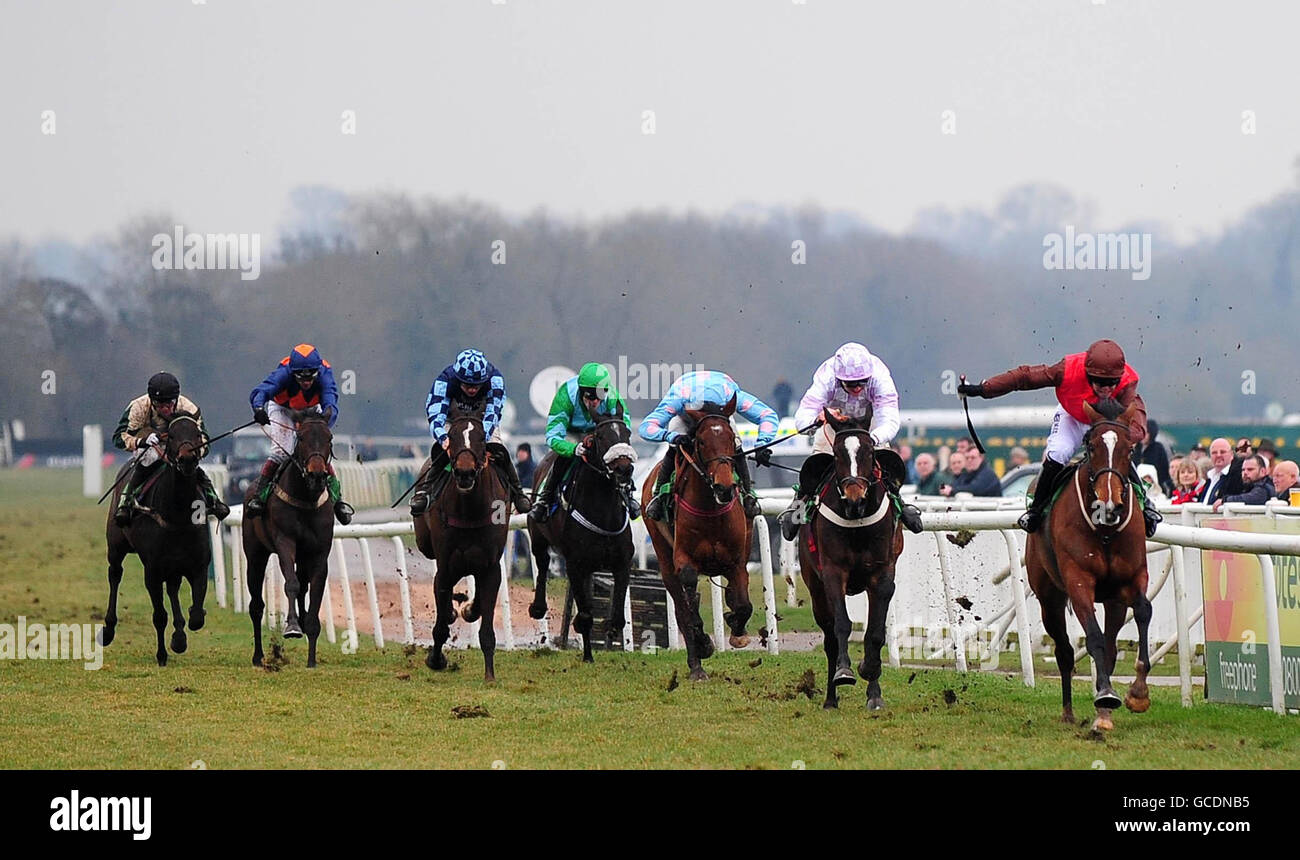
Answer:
(423, 495)
(126, 504)
(909, 514)
(657, 509)
(1150, 516)
(215, 506)
(342, 510)
(541, 510)
(747, 496)
(630, 501)
(256, 505)
(506, 465)
(1033, 517)
(793, 516)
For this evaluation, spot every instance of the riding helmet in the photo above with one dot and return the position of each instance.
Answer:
(470, 367)
(163, 387)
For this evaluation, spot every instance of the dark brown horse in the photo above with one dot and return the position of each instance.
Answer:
(465, 532)
(1093, 550)
(169, 533)
(298, 527)
(851, 544)
(591, 528)
(710, 534)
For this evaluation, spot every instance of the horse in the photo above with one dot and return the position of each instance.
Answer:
(170, 534)
(710, 533)
(464, 531)
(298, 526)
(591, 527)
(1093, 550)
(851, 544)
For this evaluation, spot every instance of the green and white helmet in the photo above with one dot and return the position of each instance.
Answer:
(594, 376)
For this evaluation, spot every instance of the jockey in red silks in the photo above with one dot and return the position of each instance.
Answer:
(1083, 377)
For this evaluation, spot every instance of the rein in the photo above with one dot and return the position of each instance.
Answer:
(1094, 477)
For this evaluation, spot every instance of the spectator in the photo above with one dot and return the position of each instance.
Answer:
(524, 464)
(956, 465)
(1150, 485)
(1285, 476)
(781, 395)
(1155, 454)
(1174, 463)
(977, 478)
(927, 475)
(1257, 486)
(1220, 464)
(1018, 457)
(905, 452)
(1189, 481)
(964, 444)
(1268, 451)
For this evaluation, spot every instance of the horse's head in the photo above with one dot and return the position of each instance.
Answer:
(186, 443)
(1109, 449)
(610, 444)
(467, 450)
(855, 460)
(314, 447)
(715, 446)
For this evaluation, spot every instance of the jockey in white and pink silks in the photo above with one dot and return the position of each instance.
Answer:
(851, 382)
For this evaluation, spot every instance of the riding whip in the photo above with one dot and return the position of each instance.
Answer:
(974, 437)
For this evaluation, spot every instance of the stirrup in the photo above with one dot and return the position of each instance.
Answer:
(911, 517)
(1030, 520)
(751, 505)
(419, 502)
(540, 512)
(343, 511)
(1153, 519)
(219, 509)
(786, 519)
(122, 516)
(655, 510)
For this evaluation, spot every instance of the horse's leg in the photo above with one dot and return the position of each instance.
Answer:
(257, 556)
(542, 564)
(874, 640)
(442, 583)
(198, 578)
(153, 584)
(318, 568)
(739, 607)
(1051, 601)
(1139, 698)
(179, 643)
(486, 586)
(1082, 596)
(288, 555)
(617, 616)
(580, 583)
(676, 586)
(116, 553)
(825, 619)
(1114, 614)
(834, 581)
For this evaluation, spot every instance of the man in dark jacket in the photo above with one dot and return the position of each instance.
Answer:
(927, 475)
(1155, 454)
(1258, 486)
(978, 479)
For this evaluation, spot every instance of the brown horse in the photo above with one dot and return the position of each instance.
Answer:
(591, 528)
(1093, 550)
(169, 533)
(710, 533)
(465, 531)
(851, 544)
(298, 526)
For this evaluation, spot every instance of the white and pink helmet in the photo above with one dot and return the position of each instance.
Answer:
(852, 362)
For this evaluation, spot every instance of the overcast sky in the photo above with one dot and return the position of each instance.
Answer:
(214, 111)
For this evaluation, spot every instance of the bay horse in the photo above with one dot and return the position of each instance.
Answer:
(170, 534)
(710, 533)
(851, 544)
(465, 531)
(1093, 550)
(298, 527)
(591, 528)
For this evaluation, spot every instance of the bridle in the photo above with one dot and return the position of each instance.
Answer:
(1095, 476)
(866, 481)
(324, 456)
(177, 462)
(706, 471)
(614, 450)
(480, 462)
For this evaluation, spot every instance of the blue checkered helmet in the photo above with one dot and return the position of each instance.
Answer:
(470, 367)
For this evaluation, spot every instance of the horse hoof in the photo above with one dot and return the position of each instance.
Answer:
(179, 644)
(1136, 704)
(738, 641)
(437, 661)
(292, 630)
(1067, 717)
(162, 658)
(467, 613)
(829, 705)
(875, 704)
(1102, 724)
(197, 617)
(587, 658)
(699, 675)
(1106, 699)
(106, 636)
(257, 659)
(843, 675)
(537, 611)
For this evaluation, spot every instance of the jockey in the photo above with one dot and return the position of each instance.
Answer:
(137, 430)
(846, 383)
(473, 384)
(578, 405)
(666, 423)
(1083, 377)
(303, 380)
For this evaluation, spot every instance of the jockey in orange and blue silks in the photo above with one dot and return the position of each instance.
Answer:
(301, 381)
(666, 423)
(851, 383)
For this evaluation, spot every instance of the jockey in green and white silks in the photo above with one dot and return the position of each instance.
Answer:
(579, 404)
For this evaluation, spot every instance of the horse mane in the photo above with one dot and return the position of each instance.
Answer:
(1110, 408)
